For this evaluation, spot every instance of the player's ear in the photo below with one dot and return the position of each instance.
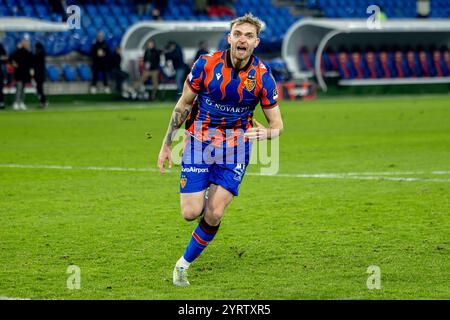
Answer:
(258, 40)
(229, 38)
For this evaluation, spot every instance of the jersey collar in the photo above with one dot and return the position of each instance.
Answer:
(229, 64)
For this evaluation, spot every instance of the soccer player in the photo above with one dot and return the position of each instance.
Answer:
(219, 98)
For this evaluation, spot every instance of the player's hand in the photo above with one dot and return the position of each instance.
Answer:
(257, 133)
(164, 154)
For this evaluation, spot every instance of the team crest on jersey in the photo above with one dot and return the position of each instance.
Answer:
(250, 82)
(183, 181)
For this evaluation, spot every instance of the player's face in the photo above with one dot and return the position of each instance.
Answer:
(243, 40)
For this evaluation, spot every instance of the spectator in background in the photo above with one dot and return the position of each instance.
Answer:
(142, 7)
(100, 56)
(202, 49)
(152, 58)
(59, 7)
(161, 5)
(39, 72)
(156, 14)
(174, 54)
(117, 73)
(22, 60)
(3, 61)
(200, 6)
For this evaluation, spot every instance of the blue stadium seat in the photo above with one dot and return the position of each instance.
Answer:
(92, 10)
(68, 72)
(52, 73)
(84, 72)
(9, 42)
(116, 16)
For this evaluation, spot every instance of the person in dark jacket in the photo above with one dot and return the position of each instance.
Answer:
(202, 49)
(100, 56)
(175, 55)
(116, 70)
(22, 61)
(152, 58)
(39, 72)
(3, 61)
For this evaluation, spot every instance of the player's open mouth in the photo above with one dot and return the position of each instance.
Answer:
(241, 49)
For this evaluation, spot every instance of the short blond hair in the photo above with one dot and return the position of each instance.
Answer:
(248, 18)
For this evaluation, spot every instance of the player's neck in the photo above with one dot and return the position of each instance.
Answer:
(239, 64)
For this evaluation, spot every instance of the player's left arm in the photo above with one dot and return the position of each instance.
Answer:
(275, 128)
(271, 110)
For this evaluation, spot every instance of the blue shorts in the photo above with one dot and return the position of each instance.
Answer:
(203, 164)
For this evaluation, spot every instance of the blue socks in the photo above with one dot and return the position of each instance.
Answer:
(202, 235)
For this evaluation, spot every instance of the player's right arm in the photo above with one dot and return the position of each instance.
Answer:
(179, 115)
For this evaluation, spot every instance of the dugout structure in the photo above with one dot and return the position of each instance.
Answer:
(187, 34)
(316, 34)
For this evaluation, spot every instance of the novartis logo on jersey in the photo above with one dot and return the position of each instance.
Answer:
(221, 107)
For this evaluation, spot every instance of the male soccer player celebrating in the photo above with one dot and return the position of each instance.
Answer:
(218, 100)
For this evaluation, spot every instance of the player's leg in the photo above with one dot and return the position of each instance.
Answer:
(194, 181)
(225, 180)
(192, 204)
(218, 199)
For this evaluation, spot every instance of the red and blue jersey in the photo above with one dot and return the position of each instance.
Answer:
(227, 97)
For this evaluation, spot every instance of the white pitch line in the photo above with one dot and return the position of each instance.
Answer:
(98, 107)
(89, 168)
(352, 176)
(10, 298)
(387, 176)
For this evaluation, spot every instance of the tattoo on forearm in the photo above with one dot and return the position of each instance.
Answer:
(179, 115)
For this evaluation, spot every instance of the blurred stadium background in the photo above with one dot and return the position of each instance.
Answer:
(302, 40)
(364, 173)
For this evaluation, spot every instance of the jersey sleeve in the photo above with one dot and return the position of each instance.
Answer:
(269, 92)
(195, 77)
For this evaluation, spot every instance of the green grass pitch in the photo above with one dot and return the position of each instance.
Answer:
(298, 235)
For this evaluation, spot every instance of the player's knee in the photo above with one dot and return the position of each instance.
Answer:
(214, 216)
(189, 213)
